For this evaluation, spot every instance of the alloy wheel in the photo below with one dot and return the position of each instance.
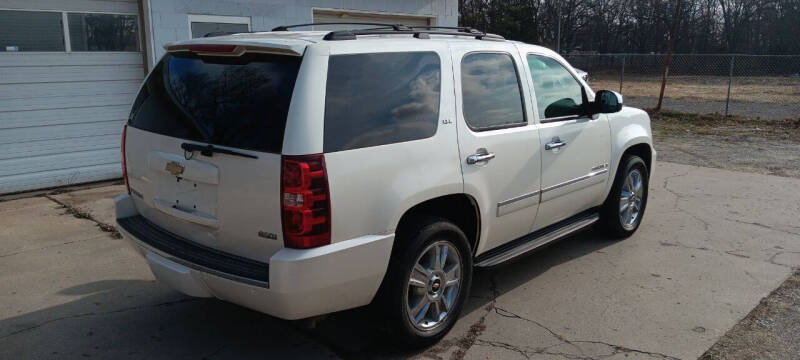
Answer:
(433, 286)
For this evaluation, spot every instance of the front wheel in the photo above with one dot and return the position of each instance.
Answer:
(624, 207)
(427, 282)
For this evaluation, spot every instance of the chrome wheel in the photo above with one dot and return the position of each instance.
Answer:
(630, 200)
(433, 285)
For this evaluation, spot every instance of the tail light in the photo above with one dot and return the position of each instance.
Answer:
(124, 164)
(305, 202)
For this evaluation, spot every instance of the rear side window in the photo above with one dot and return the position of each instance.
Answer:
(492, 98)
(239, 101)
(381, 98)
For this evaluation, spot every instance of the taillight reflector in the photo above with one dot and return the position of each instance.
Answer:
(305, 201)
(124, 162)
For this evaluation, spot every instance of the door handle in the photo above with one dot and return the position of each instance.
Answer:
(555, 144)
(480, 157)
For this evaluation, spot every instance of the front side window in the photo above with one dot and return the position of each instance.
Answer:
(381, 98)
(558, 94)
(239, 101)
(491, 93)
(103, 32)
(31, 31)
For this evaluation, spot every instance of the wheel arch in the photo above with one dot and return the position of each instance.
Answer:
(460, 208)
(642, 148)
(630, 134)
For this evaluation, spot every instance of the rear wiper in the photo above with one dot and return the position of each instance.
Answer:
(209, 150)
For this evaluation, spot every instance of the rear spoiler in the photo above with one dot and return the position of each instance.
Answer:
(225, 47)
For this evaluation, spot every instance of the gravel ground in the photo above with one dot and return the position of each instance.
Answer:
(772, 329)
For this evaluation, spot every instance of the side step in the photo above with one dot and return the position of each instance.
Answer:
(536, 239)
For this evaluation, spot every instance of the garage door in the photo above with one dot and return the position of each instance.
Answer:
(357, 16)
(69, 71)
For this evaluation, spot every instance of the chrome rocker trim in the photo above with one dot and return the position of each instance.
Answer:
(536, 239)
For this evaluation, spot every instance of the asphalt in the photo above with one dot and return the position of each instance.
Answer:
(713, 243)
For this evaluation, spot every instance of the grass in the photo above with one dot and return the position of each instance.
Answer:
(677, 123)
(774, 90)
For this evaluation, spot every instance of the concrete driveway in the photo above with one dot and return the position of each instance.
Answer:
(713, 243)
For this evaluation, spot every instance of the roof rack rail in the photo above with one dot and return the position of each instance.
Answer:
(420, 32)
(395, 27)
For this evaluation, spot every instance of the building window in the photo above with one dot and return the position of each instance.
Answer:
(103, 32)
(202, 25)
(31, 31)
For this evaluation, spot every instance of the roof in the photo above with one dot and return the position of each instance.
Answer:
(296, 41)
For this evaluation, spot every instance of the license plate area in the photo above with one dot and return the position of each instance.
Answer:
(185, 188)
(188, 196)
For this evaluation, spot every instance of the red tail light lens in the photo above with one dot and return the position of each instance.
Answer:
(305, 202)
(124, 163)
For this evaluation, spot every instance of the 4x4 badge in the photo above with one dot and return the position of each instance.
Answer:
(174, 168)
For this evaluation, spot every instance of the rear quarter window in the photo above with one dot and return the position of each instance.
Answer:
(381, 98)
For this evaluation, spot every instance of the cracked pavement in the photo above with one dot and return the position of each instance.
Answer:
(713, 243)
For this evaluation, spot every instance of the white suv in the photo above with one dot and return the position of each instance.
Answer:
(300, 173)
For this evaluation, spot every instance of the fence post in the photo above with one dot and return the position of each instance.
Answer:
(622, 74)
(730, 79)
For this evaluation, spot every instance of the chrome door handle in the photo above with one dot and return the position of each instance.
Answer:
(554, 145)
(480, 157)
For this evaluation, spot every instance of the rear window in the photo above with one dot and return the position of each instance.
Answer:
(381, 98)
(239, 101)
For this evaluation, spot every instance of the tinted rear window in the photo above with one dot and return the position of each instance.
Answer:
(381, 98)
(239, 101)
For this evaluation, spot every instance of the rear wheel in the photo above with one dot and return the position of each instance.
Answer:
(624, 208)
(427, 282)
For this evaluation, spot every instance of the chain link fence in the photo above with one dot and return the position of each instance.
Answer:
(764, 86)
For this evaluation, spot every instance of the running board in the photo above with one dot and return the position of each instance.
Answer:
(536, 239)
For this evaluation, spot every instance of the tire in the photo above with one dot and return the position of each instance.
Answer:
(398, 299)
(613, 219)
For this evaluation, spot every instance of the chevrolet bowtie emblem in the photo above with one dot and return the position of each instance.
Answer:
(174, 168)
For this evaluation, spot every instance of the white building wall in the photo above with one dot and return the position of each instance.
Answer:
(62, 112)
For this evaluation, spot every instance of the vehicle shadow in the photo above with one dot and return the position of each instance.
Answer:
(354, 334)
(144, 319)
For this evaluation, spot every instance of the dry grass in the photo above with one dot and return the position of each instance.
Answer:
(770, 331)
(675, 123)
(776, 90)
(769, 147)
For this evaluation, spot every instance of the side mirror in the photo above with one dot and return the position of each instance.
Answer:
(606, 102)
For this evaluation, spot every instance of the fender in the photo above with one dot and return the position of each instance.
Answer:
(629, 127)
(421, 197)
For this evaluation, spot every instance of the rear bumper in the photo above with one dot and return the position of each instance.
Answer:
(300, 283)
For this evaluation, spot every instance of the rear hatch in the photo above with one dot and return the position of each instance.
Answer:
(226, 196)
